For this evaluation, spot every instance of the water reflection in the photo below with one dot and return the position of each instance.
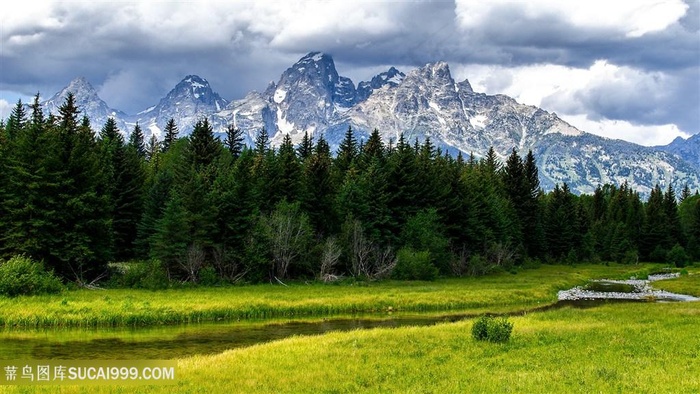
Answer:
(181, 341)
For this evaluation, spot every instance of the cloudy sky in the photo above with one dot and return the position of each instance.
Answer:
(627, 69)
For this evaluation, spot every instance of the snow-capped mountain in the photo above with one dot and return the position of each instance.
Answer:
(191, 100)
(429, 103)
(687, 149)
(392, 77)
(307, 98)
(310, 96)
(88, 102)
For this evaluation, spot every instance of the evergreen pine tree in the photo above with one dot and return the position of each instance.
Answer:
(561, 222)
(136, 141)
(234, 141)
(289, 171)
(232, 195)
(16, 121)
(128, 177)
(82, 247)
(428, 188)
(675, 234)
(30, 185)
(157, 194)
(402, 187)
(153, 148)
(171, 238)
(517, 190)
(265, 190)
(347, 152)
(171, 133)
(693, 233)
(306, 148)
(319, 187)
(685, 193)
(491, 162)
(203, 147)
(262, 143)
(374, 148)
(655, 231)
(533, 232)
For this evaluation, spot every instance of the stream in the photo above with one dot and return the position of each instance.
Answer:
(172, 342)
(629, 290)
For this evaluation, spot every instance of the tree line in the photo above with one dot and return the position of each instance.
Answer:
(204, 207)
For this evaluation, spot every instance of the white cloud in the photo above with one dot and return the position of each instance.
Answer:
(619, 93)
(623, 130)
(632, 18)
(5, 109)
(338, 20)
(604, 99)
(527, 84)
(189, 24)
(540, 51)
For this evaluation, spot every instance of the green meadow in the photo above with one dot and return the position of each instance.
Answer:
(611, 348)
(498, 293)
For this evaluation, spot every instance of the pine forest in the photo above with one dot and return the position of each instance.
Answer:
(201, 210)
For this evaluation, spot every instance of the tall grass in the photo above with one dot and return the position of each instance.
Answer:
(503, 292)
(687, 283)
(638, 347)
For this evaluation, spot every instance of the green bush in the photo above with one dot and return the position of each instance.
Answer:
(480, 328)
(21, 275)
(659, 254)
(630, 257)
(412, 265)
(478, 266)
(491, 329)
(141, 275)
(209, 277)
(678, 256)
(531, 263)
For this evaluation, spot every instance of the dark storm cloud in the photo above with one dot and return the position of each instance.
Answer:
(135, 52)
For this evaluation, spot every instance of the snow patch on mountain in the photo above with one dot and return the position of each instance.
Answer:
(280, 95)
(478, 121)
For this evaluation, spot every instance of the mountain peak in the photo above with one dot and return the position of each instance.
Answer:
(436, 70)
(88, 101)
(194, 88)
(391, 77)
(195, 80)
(190, 100)
(315, 57)
(80, 85)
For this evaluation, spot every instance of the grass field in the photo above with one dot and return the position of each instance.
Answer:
(686, 284)
(496, 293)
(617, 347)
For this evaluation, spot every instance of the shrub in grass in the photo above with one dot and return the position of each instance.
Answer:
(148, 274)
(531, 263)
(480, 328)
(209, 277)
(678, 256)
(21, 275)
(659, 254)
(412, 265)
(491, 329)
(630, 257)
(478, 266)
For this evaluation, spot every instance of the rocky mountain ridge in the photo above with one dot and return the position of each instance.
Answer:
(310, 96)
